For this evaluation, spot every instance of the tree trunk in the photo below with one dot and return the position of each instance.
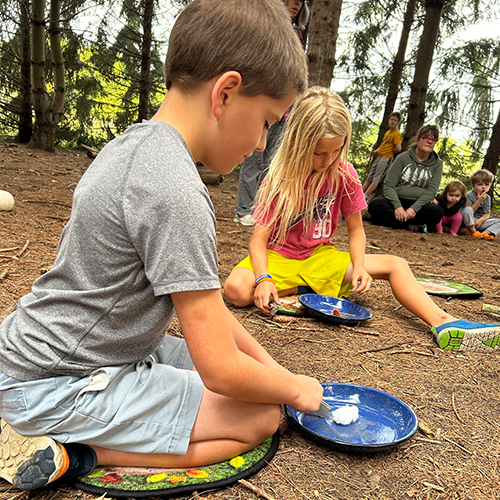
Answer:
(397, 70)
(145, 77)
(25, 126)
(492, 156)
(425, 53)
(322, 41)
(57, 61)
(47, 115)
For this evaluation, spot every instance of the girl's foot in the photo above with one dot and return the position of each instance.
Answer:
(460, 335)
(454, 234)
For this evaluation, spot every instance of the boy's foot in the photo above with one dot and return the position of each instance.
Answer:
(478, 235)
(245, 220)
(488, 236)
(460, 335)
(30, 462)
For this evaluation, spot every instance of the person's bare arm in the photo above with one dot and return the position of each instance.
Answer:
(266, 290)
(231, 363)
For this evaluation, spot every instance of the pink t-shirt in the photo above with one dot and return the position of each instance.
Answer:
(349, 199)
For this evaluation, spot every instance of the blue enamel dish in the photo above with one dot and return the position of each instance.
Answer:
(383, 423)
(334, 310)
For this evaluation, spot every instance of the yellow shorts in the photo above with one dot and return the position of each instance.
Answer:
(323, 271)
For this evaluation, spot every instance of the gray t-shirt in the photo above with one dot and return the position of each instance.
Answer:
(142, 227)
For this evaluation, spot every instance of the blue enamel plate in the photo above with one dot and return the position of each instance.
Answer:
(334, 310)
(383, 420)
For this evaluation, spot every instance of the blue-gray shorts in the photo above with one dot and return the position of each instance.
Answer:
(147, 407)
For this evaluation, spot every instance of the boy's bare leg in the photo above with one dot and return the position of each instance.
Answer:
(405, 287)
(223, 429)
(370, 188)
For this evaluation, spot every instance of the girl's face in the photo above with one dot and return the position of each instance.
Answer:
(326, 152)
(293, 7)
(454, 196)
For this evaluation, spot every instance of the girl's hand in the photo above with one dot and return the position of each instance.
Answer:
(435, 201)
(264, 293)
(310, 394)
(361, 280)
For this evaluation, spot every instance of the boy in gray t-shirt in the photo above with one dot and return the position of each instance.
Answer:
(87, 374)
(477, 214)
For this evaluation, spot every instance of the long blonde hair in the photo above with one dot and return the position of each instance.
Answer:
(318, 113)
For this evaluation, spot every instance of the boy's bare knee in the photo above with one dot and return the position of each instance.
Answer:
(267, 424)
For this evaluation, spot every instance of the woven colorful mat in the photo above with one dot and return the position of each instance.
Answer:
(139, 482)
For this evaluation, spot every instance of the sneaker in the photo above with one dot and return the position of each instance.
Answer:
(421, 228)
(30, 462)
(245, 220)
(461, 335)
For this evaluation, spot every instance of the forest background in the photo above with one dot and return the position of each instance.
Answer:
(81, 71)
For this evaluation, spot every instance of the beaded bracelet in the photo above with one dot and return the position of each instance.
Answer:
(264, 277)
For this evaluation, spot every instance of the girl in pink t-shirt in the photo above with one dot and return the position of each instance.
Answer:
(309, 185)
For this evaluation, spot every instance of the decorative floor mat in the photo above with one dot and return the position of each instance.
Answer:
(139, 482)
(446, 288)
(289, 306)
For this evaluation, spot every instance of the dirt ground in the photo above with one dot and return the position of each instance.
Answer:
(456, 394)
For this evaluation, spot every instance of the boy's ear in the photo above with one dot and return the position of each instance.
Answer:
(225, 87)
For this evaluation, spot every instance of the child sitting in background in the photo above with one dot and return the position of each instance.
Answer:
(451, 201)
(310, 183)
(477, 214)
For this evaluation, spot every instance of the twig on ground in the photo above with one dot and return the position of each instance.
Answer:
(54, 217)
(385, 348)
(20, 253)
(50, 202)
(362, 331)
(433, 486)
(459, 445)
(421, 353)
(4, 273)
(255, 489)
(454, 407)
(8, 249)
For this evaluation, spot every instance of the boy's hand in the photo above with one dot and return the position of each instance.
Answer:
(482, 196)
(264, 293)
(310, 394)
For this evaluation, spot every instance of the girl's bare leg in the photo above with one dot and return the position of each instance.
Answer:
(239, 288)
(224, 428)
(405, 287)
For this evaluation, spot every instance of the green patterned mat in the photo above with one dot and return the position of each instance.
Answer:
(138, 482)
(446, 288)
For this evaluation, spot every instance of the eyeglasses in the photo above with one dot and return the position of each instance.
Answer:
(429, 138)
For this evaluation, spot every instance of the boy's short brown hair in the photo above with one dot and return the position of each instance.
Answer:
(253, 37)
(397, 114)
(482, 175)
